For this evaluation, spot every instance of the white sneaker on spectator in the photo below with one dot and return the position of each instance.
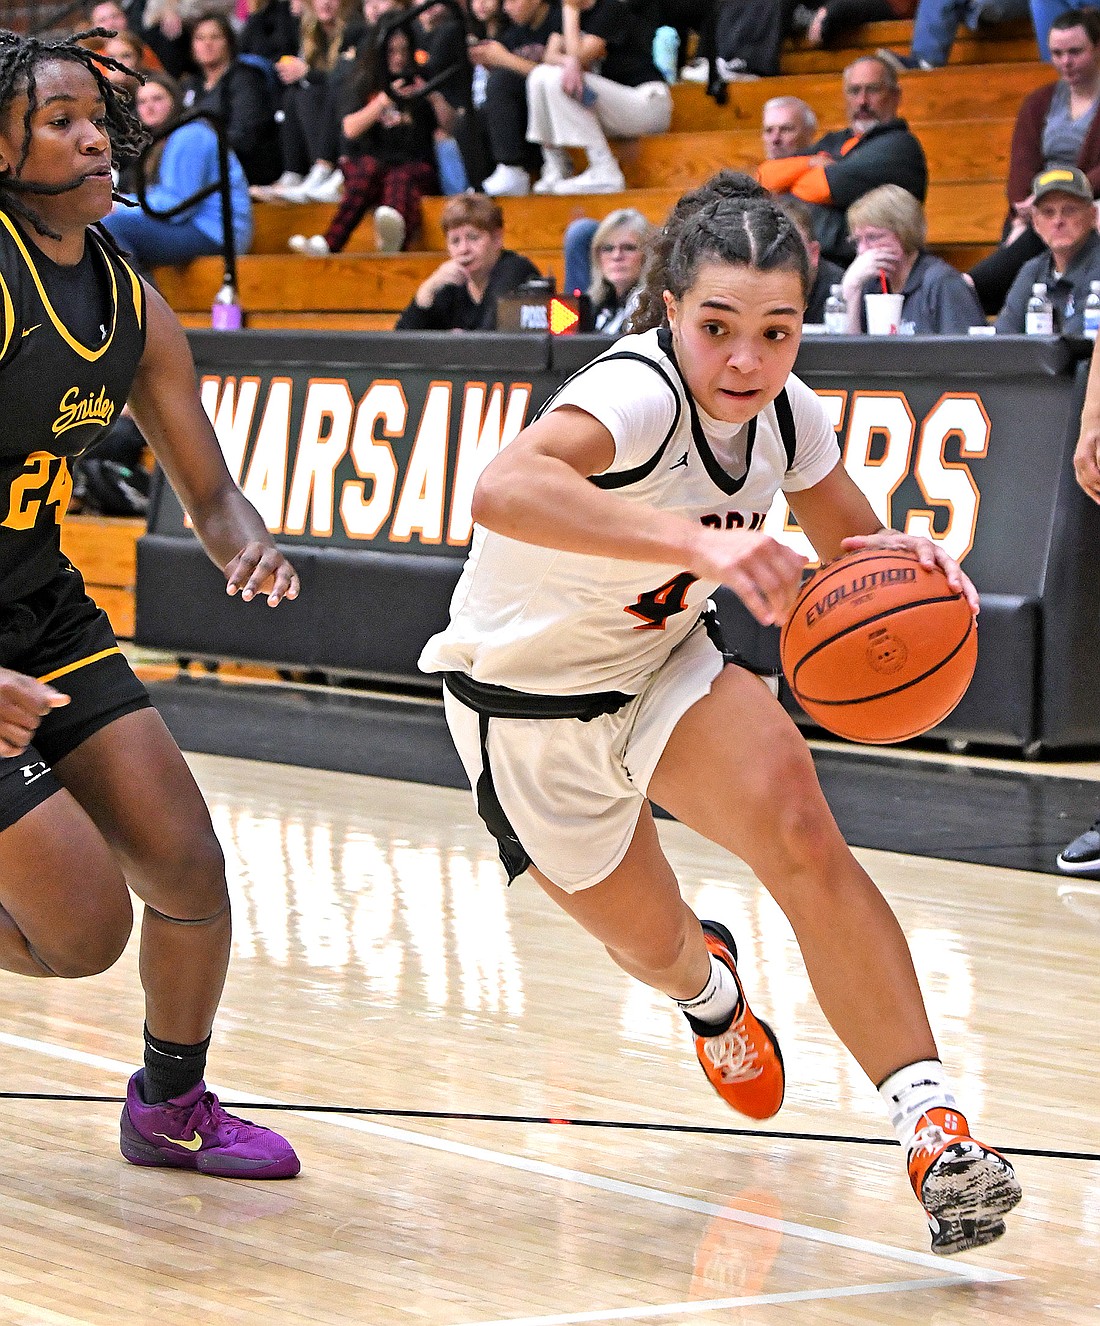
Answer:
(556, 166)
(602, 177)
(265, 193)
(695, 71)
(508, 182)
(389, 230)
(313, 246)
(306, 191)
(330, 190)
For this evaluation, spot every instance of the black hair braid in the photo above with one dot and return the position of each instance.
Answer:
(731, 218)
(20, 57)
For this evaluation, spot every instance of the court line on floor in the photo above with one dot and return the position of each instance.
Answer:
(699, 1306)
(953, 1271)
(309, 1108)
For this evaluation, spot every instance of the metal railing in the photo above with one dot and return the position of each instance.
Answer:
(39, 18)
(220, 185)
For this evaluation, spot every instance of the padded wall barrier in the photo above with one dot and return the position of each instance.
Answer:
(361, 452)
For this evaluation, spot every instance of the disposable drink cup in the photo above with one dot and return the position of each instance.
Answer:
(883, 314)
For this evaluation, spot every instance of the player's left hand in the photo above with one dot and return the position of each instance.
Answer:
(929, 554)
(260, 568)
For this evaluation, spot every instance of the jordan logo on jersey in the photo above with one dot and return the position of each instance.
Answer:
(682, 461)
(74, 412)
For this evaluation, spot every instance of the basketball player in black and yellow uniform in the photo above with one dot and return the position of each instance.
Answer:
(94, 794)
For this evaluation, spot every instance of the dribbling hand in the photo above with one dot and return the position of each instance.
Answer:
(24, 702)
(260, 568)
(928, 553)
(765, 574)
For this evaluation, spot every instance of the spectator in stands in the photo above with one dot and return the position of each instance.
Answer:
(1043, 14)
(1056, 125)
(936, 24)
(166, 25)
(503, 113)
(742, 39)
(620, 246)
(240, 92)
(462, 293)
(823, 273)
(309, 134)
(831, 22)
(389, 158)
(441, 46)
(488, 23)
(110, 15)
(128, 49)
(271, 30)
(1064, 218)
(889, 231)
(570, 106)
(175, 168)
(788, 127)
(877, 148)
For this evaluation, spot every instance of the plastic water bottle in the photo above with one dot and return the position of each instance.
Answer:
(666, 52)
(1040, 312)
(836, 312)
(1092, 311)
(226, 314)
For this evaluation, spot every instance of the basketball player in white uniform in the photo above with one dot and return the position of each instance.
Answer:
(581, 679)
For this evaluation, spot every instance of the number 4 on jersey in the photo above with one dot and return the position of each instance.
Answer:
(656, 606)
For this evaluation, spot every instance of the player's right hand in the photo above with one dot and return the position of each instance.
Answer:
(765, 574)
(24, 702)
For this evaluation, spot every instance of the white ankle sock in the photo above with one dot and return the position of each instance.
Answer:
(911, 1091)
(717, 1000)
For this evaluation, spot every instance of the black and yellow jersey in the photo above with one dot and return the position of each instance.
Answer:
(71, 339)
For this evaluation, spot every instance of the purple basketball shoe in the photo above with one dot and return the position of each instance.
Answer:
(194, 1132)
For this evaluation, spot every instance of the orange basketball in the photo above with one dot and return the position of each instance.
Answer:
(877, 648)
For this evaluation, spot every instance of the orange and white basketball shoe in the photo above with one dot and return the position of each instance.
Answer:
(964, 1186)
(743, 1063)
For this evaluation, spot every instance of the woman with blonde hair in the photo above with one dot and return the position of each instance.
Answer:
(889, 231)
(310, 128)
(620, 245)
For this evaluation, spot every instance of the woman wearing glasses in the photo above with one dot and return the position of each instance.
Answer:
(618, 250)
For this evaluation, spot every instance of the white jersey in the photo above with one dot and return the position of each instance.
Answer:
(563, 623)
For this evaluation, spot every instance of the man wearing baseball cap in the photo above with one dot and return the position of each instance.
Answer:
(1064, 217)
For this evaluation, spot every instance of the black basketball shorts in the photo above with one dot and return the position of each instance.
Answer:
(57, 635)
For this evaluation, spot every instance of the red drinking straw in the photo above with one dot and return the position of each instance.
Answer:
(882, 279)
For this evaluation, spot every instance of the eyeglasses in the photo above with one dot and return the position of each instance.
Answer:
(619, 248)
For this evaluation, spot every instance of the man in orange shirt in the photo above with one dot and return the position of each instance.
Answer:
(876, 148)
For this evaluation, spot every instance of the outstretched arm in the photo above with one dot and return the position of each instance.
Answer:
(165, 403)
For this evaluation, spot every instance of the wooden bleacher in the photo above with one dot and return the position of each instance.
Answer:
(963, 115)
(104, 548)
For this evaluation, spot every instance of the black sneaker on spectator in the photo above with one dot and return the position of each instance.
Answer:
(902, 64)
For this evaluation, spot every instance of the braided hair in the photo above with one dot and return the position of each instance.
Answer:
(20, 59)
(729, 219)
